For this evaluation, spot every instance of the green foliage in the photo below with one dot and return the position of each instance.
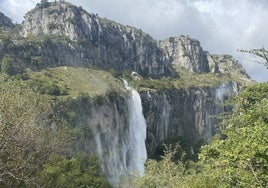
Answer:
(78, 171)
(113, 95)
(187, 150)
(237, 157)
(164, 173)
(45, 84)
(99, 100)
(240, 157)
(10, 67)
(165, 83)
(24, 145)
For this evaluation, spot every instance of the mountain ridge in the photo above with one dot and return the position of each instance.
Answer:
(122, 47)
(71, 64)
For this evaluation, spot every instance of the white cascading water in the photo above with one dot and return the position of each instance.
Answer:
(222, 92)
(137, 153)
(119, 142)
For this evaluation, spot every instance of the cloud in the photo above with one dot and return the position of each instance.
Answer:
(221, 26)
(16, 9)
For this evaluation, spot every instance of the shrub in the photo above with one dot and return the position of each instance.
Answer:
(10, 67)
(79, 171)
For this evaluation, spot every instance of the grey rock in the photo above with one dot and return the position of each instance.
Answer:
(186, 52)
(5, 22)
(193, 114)
(226, 64)
(109, 44)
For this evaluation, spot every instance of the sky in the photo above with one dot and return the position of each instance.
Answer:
(222, 26)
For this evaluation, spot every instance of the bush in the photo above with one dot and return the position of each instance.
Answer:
(44, 86)
(79, 171)
(10, 67)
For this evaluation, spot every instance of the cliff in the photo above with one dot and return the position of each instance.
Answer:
(95, 40)
(5, 22)
(186, 52)
(77, 60)
(185, 115)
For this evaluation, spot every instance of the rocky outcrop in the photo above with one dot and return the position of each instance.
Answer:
(226, 64)
(100, 41)
(186, 52)
(5, 22)
(187, 113)
(87, 39)
(103, 124)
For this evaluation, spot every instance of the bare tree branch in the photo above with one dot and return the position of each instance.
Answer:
(262, 53)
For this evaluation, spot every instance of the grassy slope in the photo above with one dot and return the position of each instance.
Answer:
(188, 80)
(91, 81)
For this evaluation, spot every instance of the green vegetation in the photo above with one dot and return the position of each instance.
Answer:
(185, 80)
(9, 66)
(44, 83)
(42, 111)
(79, 171)
(163, 173)
(237, 157)
(240, 156)
(36, 143)
(73, 81)
(24, 145)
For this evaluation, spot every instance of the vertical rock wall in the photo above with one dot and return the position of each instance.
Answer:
(189, 113)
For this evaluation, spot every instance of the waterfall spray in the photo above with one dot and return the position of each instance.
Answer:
(121, 147)
(137, 134)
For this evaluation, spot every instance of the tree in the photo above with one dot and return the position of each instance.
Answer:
(44, 1)
(239, 156)
(262, 53)
(10, 67)
(163, 173)
(79, 171)
(236, 157)
(24, 145)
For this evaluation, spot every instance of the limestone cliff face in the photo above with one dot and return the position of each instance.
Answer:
(189, 113)
(80, 38)
(96, 40)
(5, 22)
(226, 64)
(186, 52)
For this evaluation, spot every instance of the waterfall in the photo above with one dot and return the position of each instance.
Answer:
(163, 133)
(223, 92)
(137, 134)
(119, 139)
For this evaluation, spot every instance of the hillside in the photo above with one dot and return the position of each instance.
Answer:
(62, 74)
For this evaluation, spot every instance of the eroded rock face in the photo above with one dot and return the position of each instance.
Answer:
(5, 22)
(93, 40)
(188, 113)
(108, 44)
(226, 64)
(186, 52)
